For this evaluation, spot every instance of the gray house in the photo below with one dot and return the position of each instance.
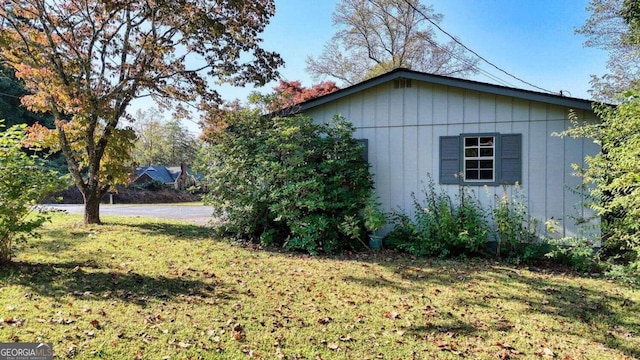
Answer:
(177, 177)
(463, 132)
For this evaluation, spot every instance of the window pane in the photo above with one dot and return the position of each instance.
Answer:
(471, 175)
(471, 141)
(486, 152)
(486, 164)
(486, 141)
(486, 174)
(471, 164)
(471, 152)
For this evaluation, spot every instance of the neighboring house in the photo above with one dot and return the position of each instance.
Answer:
(175, 176)
(463, 132)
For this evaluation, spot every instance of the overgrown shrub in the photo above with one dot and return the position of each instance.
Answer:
(515, 230)
(577, 252)
(613, 174)
(153, 185)
(287, 181)
(443, 226)
(24, 182)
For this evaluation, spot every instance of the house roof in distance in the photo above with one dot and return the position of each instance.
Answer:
(159, 173)
(402, 73)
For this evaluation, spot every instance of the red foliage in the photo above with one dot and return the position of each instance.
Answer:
(290, 93)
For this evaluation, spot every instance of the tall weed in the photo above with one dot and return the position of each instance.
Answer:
(443, 226)
(515, 230)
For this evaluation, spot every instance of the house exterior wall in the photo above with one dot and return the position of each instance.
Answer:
(403, 127)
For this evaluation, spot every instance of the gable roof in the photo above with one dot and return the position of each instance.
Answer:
(402, 73)
(159, 173)
(165, 174)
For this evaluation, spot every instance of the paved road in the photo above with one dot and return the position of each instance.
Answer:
(197, 214)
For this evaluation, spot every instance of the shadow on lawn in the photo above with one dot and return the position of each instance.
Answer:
(180, 231)
(375, 282)
(610, 316)
(600, 310)
(82, 279)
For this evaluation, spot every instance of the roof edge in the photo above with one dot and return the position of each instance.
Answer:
(398, 73)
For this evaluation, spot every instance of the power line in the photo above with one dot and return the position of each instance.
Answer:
(9, 95)
(473, 52)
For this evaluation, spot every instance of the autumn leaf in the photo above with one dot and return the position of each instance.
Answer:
(346, 338)
(238, 332)
(504, 345)
(324, 321)
(441, 344)
(333, 346)
(545, 352)
(391, 315)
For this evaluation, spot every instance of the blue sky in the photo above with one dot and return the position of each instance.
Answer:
(532, 39)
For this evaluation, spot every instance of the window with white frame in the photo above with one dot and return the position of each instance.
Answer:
(479, 158)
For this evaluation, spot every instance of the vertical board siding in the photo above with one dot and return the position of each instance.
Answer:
(404, 126)
(410, 165)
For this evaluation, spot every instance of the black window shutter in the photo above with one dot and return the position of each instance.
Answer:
(449, 159)
(511, 159)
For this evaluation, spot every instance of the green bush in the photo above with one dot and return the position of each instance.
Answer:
(287, 181)
(515, 231)
(24, 182)
(612, 175)
(443, 226)
(154, 185)
(577, 251)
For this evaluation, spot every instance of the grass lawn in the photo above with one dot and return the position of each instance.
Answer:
(150, 289)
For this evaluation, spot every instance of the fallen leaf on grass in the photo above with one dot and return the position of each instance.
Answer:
(545, 352)
(441, 344)
(324, 321)
(333, 346)
(391, 315)
(8, 320)
(505, 346)
(62, 321)
(346, 338)
(238, 332)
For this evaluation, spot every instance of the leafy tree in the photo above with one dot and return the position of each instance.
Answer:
(148, 146)
(291, 93)
(85, 61)
(610, 27)
(160, 142)
(181, 146)
(615, 172)
(11, 90)
(376, 36)
(25, 181)
(287, 181)
(287, 94)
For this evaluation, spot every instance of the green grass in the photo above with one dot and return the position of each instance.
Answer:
(147, 289)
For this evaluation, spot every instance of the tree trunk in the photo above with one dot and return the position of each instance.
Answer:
(92, 208)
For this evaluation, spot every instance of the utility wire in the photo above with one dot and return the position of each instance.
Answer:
(473, 52)
(9, 95)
